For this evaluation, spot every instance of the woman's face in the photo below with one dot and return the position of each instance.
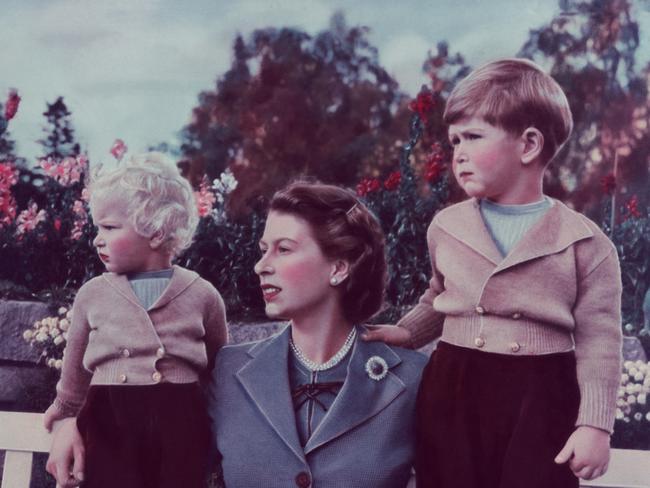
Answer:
(294, 273)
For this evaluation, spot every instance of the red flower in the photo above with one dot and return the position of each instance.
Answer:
(608, 183)
(368, 185)
(434, 166)
(118, 149)
(393, 181)
(632, 207)
(11, 106)
(423, 103)
(57, 224)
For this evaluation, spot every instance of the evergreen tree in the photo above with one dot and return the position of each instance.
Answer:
(60, 140)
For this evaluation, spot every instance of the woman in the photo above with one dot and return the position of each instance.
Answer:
(314, 405)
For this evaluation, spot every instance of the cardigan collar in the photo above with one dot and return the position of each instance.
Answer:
(558, 229)
(266, 379)
(181, 278)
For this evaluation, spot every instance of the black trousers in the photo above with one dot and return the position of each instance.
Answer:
(150, 436)
(495, 421)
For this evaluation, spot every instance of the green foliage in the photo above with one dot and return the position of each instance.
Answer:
(60, 140)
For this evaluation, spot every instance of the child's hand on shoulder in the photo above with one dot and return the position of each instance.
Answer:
(52, 414)
(587, 451)
(390, 334)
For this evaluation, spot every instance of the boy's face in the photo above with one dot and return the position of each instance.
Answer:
(487, 161)
(120, 247)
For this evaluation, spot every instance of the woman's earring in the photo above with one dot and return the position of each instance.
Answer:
(334, 281)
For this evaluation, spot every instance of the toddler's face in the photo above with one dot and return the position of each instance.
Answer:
(120, 247)
(487, 160)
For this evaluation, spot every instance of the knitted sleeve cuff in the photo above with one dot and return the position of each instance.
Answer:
(597, 406)
(424, 324)
(65, 409)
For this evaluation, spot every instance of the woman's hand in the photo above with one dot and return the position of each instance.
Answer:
(390, 334)
(587, 451)
(66, 461)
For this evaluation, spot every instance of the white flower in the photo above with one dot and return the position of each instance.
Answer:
(631, 400)
(58, 363)
(68, 314)
(647, 416)
(62, 310)
(628, 364)
(55, 332)
(630, 388)
(58, 340)
(64, 324)
(641, 399)
(638, 416)
(44, 330)
(37, 324)
(619, 414)
(624, 378)
(28, 335)
(620, 402)
(633, 371)
(41, 337)
(50, 362)
(639, 376)
(377, 368)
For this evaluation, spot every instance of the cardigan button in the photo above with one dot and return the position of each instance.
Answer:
(515, 346)
(516, 315)
(479, 342)
(122, 378)
(126, 353)
(303, 480)
(156, 377)
(160, 352)
(480, 310)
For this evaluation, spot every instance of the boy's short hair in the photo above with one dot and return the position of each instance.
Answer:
(158, 198)
(344, 228)
(514, 94)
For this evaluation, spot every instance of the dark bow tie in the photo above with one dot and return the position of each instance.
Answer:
(311, 391)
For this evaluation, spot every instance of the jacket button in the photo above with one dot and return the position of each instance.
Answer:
(516, 315)
(126, 353)
(515, 347)
(480, 310)
(122, 378)
(303, 479)
(479, 342)
(160, 352)
(156, 377)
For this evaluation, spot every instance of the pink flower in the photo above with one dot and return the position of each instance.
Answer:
(28, 219)
(393, 181)
(8, 176)
(368, 185)
(7, 208)
(118, 149)
(205, 199)
(66, 172)
(632, 207)
(81, 218)
(434, 167)
(608, 184)
(11, 105)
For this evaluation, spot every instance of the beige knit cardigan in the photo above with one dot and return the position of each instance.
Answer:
(558, 289)
(113, 340)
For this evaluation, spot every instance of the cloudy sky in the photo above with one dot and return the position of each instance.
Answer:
(133, 68)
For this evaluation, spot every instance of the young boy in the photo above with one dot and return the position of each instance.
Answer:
(525, 297)
(142, 336)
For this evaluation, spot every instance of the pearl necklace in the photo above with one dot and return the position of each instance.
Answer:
(333, 361)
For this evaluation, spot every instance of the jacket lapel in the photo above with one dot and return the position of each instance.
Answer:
(360, 397)
(180, 280)
(466, 225)
(558, 229)
(121, 285)
(266, 380)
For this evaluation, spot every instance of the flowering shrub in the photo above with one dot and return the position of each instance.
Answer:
(49, 335)
(632, 427)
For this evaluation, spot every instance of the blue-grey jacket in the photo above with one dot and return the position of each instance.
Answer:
(366, 440)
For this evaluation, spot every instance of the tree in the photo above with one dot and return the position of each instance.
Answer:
(60, 141)
(292, 104)
(590, 48)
